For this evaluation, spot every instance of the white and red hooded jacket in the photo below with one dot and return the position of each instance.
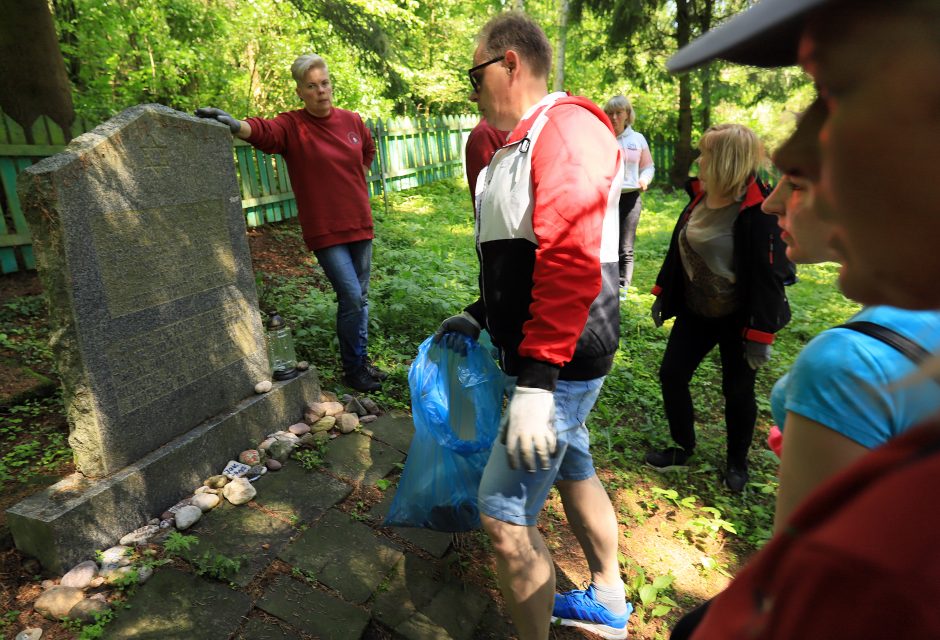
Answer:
(547, 243)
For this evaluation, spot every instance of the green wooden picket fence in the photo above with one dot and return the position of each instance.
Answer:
(410, 152)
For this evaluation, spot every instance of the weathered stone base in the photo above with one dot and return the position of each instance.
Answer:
(67, 522)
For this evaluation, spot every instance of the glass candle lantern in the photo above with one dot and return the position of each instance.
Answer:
(280, 349)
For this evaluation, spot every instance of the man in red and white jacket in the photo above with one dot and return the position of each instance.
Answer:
(547, 230)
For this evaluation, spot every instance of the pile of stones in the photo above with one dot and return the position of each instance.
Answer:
(85, 590)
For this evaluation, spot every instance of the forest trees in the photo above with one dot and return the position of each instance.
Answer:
(409, 57)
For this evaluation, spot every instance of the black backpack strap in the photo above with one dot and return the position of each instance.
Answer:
(916, 353)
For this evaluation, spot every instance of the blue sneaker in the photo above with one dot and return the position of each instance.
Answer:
(579, 609)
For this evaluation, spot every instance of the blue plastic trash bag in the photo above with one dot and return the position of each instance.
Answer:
(456, 400)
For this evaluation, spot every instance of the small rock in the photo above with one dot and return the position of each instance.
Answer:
(185, 502)
(370, 406)
(169, 522)
(187, 516)
(80, 575)
(235, 469)
(239, 491)
(265, 546)
(48, 584)
(141, 535)
(267, 442)
(251, 457)
(280, 450)
(299, 429)
(205, 501)
(33, 633)
(205, 489)
(154, 521)
(215, 482)
(309, 439)
(333, 408)
(323, 424)
(118, 574)
(285, 436)
(354, 406)
(346, 397)
(263, 387)
(58, 601)
(96, 582)
(348, 422)
(368, 419)
(303, 365)
(255, 471)
(117, 556)
(166, 515)
(144, 573)
(87, 609)
(328, 396)
(323, 436)
(103, 595)
(273, 465)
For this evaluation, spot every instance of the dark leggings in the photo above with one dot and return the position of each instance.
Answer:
(629, 217)
(691, 339)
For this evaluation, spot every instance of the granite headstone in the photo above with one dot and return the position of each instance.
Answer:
(142, 251)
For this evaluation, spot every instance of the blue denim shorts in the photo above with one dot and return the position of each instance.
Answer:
(516, 496)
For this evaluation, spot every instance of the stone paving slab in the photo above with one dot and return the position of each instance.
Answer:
(298, 495)
(455, 612)
(175, 605)
(343, 554)
(257, 629)
(434, 542)
(361, 459)
(394, 430)
(410, 586)
(313, 611)
(240, 532)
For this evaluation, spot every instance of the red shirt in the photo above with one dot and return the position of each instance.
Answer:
(859, 559)
(482, 143)
(325, 158)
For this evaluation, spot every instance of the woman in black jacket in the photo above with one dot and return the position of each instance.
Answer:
(723, 280)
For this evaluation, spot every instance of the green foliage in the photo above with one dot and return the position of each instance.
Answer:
(216, 565)
(31, 446)
(650, 597)
(310, 459)
(176, 543)
(8, 619)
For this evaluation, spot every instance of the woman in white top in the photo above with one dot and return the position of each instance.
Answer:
(637, 174)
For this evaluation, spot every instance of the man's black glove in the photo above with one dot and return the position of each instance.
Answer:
(461, 324)
(656, 312)
(220, 116)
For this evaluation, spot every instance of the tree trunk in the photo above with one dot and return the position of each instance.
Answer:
(683, 156)
(705, 24)
(33, 81)
(563, 8)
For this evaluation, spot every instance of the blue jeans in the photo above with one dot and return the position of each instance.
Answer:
(516, 496)
(347, 266)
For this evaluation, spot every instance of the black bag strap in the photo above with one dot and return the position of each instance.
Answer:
(916, 353)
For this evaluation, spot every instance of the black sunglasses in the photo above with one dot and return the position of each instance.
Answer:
(474, 82)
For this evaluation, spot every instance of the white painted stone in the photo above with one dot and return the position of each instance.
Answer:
(117, 556)
(33, 633)
(263, 387)
(141, 535)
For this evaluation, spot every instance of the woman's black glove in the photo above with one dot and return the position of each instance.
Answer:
(220, 116)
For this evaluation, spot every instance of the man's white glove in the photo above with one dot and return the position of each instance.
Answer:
(528, 429)
(756, 353)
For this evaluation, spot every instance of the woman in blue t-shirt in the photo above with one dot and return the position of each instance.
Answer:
(846, 393)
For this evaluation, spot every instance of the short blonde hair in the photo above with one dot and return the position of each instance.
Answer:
(305, 63)
(621, 102)
(733, 155)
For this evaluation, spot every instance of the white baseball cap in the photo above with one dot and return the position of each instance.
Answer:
(765, 35)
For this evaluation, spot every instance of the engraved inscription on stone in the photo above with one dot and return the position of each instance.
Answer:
(154, 256)
(150, 365)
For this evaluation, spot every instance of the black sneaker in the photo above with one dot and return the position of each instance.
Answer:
(373, 370)
(668, 459)
(736, 478)
(360, 380)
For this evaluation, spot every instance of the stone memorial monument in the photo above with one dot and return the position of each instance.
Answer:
(142, 250)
